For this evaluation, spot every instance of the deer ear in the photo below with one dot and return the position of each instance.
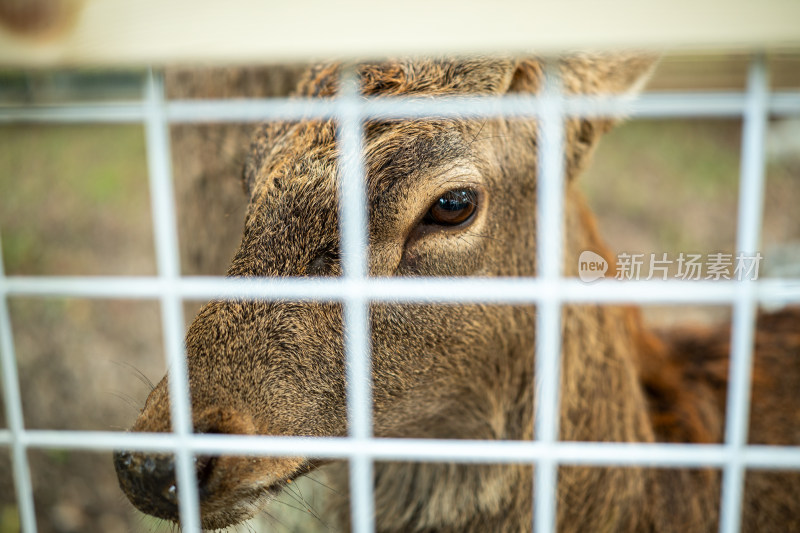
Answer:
(592, 74)
(588, 74)
(606, 73)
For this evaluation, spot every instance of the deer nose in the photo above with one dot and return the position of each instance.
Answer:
(149, 479)
(150, 483)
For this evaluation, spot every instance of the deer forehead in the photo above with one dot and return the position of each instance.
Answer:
(294, 209)
(403, 161)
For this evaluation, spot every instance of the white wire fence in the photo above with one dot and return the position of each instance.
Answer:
(355, 290)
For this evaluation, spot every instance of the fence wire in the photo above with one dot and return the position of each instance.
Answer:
(549, 291)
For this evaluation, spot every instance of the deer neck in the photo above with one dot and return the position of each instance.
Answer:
(601, 396)
(601, 400)
(607, 355)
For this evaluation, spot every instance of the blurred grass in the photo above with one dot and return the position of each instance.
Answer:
(74, 200)
(9, 519)
(667, 186)
(672, 186)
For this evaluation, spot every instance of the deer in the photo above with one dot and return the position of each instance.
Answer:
(457, 197)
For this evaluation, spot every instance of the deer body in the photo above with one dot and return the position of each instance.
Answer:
(452, 371)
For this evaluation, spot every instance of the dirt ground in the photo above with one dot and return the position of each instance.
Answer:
(74, 201)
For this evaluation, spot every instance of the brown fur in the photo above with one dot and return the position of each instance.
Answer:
(459, 371)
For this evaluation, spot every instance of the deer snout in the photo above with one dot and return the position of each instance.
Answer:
(225, 484)
(149, 479)
(149, 482)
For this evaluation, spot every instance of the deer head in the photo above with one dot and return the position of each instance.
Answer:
(447, 197)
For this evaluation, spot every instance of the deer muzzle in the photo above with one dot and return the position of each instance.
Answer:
(227, 486)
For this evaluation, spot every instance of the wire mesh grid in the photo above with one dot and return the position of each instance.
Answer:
(355, 290)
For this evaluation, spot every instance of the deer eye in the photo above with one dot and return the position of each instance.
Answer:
(453, 208)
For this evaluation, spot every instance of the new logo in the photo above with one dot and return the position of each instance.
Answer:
(591, 266)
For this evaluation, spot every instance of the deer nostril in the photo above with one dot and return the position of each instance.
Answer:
(204, 467)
